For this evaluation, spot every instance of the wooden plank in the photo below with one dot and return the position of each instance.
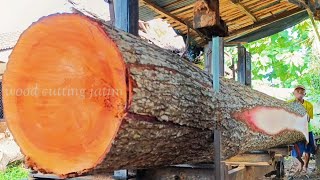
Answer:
(284, 151)
(253, 158)
(224, 171)
(237, 173)
(257, 172)
(258, 4)
(227, 39)
(235, 18)
(248, 163)
(244, 10)
(263, 5)
(283, 6)
(161, 11)
(236, 170)
(240, 23)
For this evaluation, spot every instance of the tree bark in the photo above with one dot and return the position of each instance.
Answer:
(165, 105)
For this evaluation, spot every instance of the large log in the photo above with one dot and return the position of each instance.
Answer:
(136, 106)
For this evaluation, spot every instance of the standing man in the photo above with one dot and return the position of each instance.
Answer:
(301, 147)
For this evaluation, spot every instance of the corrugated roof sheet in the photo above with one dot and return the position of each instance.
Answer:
(147, 14)
(238, 22)
(253, 15)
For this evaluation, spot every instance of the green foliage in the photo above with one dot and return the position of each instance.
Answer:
(287, 58)
(283, 58)
(14, 171)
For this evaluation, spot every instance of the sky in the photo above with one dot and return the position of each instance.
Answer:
(17, 15)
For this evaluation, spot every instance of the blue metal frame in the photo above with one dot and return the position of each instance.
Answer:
(121, 12)
(127, 15)
(217, 69)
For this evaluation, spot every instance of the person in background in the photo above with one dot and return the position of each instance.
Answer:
(301, 147)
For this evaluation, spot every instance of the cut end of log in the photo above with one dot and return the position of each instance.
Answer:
(65, 93)
(273, 121)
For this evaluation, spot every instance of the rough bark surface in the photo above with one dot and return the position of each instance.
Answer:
(172, 112)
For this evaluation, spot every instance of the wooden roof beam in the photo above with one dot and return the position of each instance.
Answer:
(311, 6)
(163, 12)
(264, 22)
(244, 10)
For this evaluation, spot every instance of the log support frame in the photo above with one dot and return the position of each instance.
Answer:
(164, 13)
(250, 165)
(217, 61)
(127, 15)
(244, 66)
(207, 56)
(217, 70)
(216, 50)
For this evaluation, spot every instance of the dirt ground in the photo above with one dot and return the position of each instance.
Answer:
(292, 166)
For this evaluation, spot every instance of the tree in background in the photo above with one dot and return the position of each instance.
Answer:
(286, 59)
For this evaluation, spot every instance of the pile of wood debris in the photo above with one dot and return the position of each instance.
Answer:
(9, 150)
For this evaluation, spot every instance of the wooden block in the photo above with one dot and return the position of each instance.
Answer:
(253, 158)
(204, 16)
(249, 163)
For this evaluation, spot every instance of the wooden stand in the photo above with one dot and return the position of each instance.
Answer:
(250, 166)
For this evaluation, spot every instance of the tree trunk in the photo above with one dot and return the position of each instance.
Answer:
(137, 105)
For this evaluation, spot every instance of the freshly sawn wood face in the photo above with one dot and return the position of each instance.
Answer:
(137, 105)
